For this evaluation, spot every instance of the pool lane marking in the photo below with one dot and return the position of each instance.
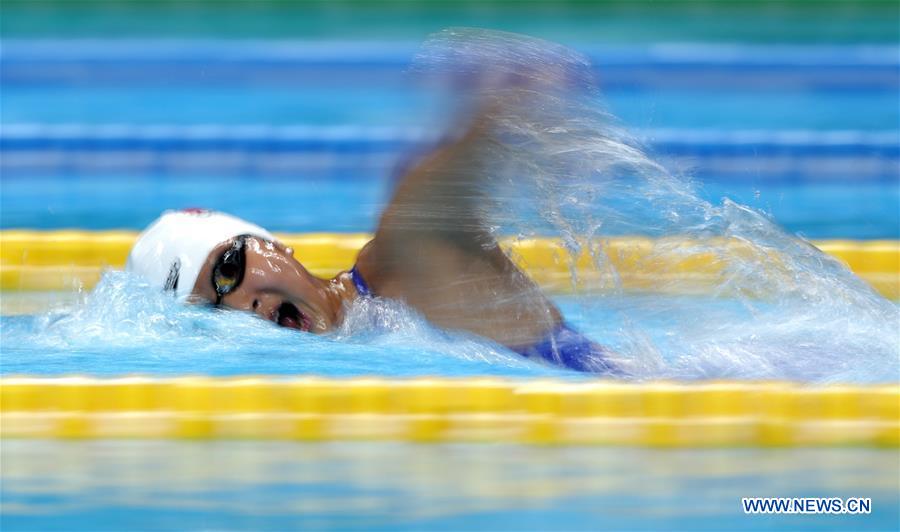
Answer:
(662, 414)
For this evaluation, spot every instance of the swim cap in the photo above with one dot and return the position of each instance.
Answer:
(173, 249)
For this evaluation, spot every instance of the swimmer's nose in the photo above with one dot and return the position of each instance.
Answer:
(262, 304)
(265, 305)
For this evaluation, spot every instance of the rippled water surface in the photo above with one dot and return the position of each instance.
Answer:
(125, 327)
(392, 486)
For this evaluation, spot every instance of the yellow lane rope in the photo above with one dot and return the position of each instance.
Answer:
(66, 260)
(452, 410)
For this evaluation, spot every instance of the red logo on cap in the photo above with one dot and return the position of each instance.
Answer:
(195, 210)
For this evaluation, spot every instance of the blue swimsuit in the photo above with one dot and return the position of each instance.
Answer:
(562, 346)
(567, 347)
(362, 288)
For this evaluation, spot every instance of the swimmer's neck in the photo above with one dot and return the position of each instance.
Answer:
(339, 291)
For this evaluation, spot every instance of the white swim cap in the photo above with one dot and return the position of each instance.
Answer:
(173, 249)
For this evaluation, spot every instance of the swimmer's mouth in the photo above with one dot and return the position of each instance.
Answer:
(288, 315)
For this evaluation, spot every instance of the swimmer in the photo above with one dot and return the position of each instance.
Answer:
(431, 250)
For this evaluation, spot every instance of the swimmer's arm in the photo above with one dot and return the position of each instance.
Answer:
(442, 194)
(432, 249)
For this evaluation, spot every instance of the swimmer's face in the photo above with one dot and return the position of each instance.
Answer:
(263, 277)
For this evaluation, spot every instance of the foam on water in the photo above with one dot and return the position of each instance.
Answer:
(561, 166)
(125, 326)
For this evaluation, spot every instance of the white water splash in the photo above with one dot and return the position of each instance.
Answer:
(563, 167)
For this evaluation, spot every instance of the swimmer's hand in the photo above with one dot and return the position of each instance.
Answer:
(432, 248)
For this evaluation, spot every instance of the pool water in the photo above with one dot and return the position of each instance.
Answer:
(785, 317)
(125, 327)
(284, 204)
(792, 111)
(394, 486)
(290, 133)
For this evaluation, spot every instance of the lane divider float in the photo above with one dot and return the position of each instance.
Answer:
(661, 414)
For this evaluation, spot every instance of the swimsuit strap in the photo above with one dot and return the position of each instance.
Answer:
(567, 347)
(362, 288)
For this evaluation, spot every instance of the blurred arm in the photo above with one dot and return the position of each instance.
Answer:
(432, 250)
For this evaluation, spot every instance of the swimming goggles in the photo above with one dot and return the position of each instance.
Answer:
(228, 271)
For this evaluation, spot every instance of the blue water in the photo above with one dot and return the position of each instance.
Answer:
(144, 332)
(723, 111)
(871, 110)
(392, 486)
(125, 327)
(726, 112)
(855, 210)
(317, 166)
